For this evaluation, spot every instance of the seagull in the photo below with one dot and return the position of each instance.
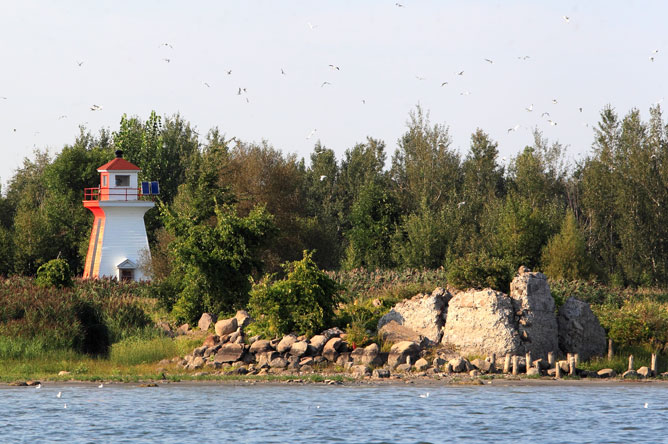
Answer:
(424, 395)
(166, 60)
(656, 51)
(229, 72)
(651, 58)
(282, 72)
(95, 107)
(461, 203)
(554, 101)
(460, 73)
(419, 77)
(363, 102)
(38, 386)
(64, 116)
(567, 19)
(529, 108)
(65, 406)
(399, 5)
(552, 122)
(167, 45)
(59, 395)
(465, 93)
(311, 134)
(239, 92)
(489, 61)
(334, 67)
(79, 63)
(515, 128)
(580, 108)
(323, 177)
(207, 85)
(526, 57)
(444, 83)
(646, 405)
(100, 386)
(545, 114)
(325, 83)
(311, 26)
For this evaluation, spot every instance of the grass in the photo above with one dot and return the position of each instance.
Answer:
(620, 361)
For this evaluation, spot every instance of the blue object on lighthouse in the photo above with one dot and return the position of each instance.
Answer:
(155, 188)
(145, 188)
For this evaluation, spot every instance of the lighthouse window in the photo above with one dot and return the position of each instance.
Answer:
(104, 180)
(122, 181)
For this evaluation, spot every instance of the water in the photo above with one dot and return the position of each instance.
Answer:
(334, 414)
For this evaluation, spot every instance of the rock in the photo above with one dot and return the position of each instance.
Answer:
(360, 371)
(260, 346)
(243, 318)
(630, 374)
(606, 373)
(306, 361)
(278, 362)
(357, 354)
(644, 372)
(252, 339)
(165, 328)
(438, 362)
(534, 309)
(263, 359)
(393, 332)
(229, 353)
(286, 343)
(299, 348)
(333, 332)
(421, 365)
(533, 371)
(331, 349)
(564, 365)
(402, 352)
(305, 369)
(460, 365)
(197, 362)
(205, 321)
(371, 355)
(211, 340)
(199, 351)
(424, 314)
(226, 326)
(381, 373)
(343, 359)
(579, 330)
(482, 364)
(482, 322)
(403, 368)
(474, 373)
(183, 330)
(318, 343)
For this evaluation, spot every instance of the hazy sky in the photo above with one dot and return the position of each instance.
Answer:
(59, 58)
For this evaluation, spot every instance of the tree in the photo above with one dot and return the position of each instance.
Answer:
(565, 255)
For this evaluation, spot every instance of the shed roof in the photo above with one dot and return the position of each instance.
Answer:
(119, 164)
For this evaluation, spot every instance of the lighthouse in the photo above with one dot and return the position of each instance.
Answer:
(118, 239)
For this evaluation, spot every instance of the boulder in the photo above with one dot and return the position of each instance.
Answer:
(606, 373)
(533, 371)
(243, 318)
(403, 368)
(260, 346)
(306, 361)
(263, 359)
(371, 355)
(630, 374)
(474, 373)
(286, 343)
(183, 329)
(211, 340)
(205, 321)
(165, 328)
(481, 322)
(331, 349)
(381, 373)
(393, 332)
(343, 359)
(278, 362)
(226, 326)
(421, 365)
(482, 364)
(199, 351)
(438, 362)
(318, 342)
(460, 365)
(644, 372)
(333, 332)
(424, 314)
(534, 309)
(579, 330)
(229, 353)
(299, 348)
(403, 352)
(360, 371)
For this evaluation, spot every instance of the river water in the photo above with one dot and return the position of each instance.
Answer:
(263, 413)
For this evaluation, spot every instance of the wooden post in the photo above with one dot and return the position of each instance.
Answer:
(568, 357)
(577, 360)
(550, 359)
(630, 362)
(515, 364)
(493, 363)
(506, 365)
(571, 366)
(527, 366)
(557, 371)
(653, 365)
(611, 352)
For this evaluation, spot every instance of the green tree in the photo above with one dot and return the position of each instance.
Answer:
(565, 255)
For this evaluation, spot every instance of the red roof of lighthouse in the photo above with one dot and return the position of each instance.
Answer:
(119, 164)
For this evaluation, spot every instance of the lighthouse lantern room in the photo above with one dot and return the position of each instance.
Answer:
(118, 239)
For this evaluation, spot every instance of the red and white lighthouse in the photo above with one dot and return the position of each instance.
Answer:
(118, 240)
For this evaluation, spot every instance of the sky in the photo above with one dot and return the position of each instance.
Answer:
(566, 58)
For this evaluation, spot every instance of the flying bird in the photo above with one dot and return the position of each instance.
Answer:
(323, 177)
(3, 97)
(419, 77)
(312, 27)
(552, 122)
(460, 73)
(526, 57)
(444, 83)
(567, 19)
(334, 67)
(554, 101)
(79, 63)
(651, 58)
(325, 83)
(96, 107)
(64, 116)
(529, 108)
(167, 60)
(515, 128)
(311, 134)
(399, 5)
(489, 61)
(229, 72)
(461, 203)
(167, 45)
(207, 85)
(545, 114)
(282, 72)
(465, 93)
(580, 108)
(363, 102)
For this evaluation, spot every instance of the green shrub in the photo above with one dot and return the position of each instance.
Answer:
(480, 270)
(565, 255)
(302, 302)
(636, 322)
(55, 273)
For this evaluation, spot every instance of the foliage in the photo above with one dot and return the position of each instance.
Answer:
(565, 255)
(55, 273)
(302, 302)
(480, 270)
(636, 322)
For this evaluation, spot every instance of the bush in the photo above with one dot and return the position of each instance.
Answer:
(565, 255)
(480, 270)
(55, 273)
(637, 322)
(302, 302)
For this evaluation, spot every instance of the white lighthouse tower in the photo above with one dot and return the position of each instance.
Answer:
(118, 239)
